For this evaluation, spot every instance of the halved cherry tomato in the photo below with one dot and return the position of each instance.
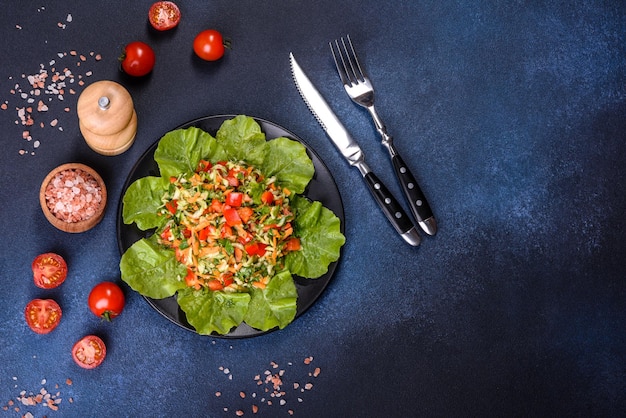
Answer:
(49, 270)
(42, 315)
(106, 300)
(89, 352)
(138, 59)
(234, 199)
(164, 15)
(209, 45)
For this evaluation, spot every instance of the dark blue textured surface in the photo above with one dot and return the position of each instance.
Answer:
(512, 116)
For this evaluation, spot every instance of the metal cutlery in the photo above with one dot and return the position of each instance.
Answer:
(360, 89)
(351, 151)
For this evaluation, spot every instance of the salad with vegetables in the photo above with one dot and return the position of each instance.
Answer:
(230, 227)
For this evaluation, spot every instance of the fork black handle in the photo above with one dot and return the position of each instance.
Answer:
(392, 209)
(417, 201)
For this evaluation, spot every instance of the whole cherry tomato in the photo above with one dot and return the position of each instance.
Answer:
(209, 45)
(89, 352)
(42, 315)
(138, 59)
(106, 300)
(49, 270)
(164, 15)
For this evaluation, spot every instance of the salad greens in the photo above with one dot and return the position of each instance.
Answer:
(153, 266)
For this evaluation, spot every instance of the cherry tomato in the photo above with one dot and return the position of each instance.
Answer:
(138, 59)
(209, 45)
(106, 300)
(89, 352)
(42, 315)
(164, 15)
(49, 270)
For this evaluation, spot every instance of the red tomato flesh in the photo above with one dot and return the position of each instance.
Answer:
(234, 199)
(49, 270)
(164, 15)
(89, 352)
(42, 315)
(232, 217)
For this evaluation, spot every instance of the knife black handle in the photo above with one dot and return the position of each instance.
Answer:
(417, 201)
(392, 209)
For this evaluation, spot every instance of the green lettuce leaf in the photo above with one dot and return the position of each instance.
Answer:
(243, 140)
(320, 237)
(179, 151)
(209, 311)
(274, 306)
(141, 201)
(152, 270)
(289, 162)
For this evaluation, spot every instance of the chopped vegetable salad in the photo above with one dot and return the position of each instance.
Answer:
(229, 225)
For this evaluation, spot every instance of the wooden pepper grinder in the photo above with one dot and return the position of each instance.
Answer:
(107, 117)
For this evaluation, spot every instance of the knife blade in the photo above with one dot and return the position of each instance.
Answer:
(352, 152)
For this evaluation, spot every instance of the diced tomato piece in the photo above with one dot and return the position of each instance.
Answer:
(204, 165)
(186, 233)
(228, 281)
(293, 244)
(232, 217)
(182, 255)
(216, 206)
(234, 199)
(232, 178)
(245, 213)
(172, 206)
(226, 232)
(244, 236)
(203, 234)
(215, 285)
(256, 248)
(232, 181)
(166, 234)
(173, 179)
(267, 197)
(191, 279)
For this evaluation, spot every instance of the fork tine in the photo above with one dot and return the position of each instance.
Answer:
(341, 68)
(353, 60)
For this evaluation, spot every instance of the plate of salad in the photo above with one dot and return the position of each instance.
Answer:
(230, 226)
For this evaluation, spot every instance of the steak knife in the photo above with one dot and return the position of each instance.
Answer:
(352, 152)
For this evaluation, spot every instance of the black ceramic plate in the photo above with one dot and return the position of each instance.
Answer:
(321, 188)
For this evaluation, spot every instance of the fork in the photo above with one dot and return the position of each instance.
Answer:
(359, 87)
